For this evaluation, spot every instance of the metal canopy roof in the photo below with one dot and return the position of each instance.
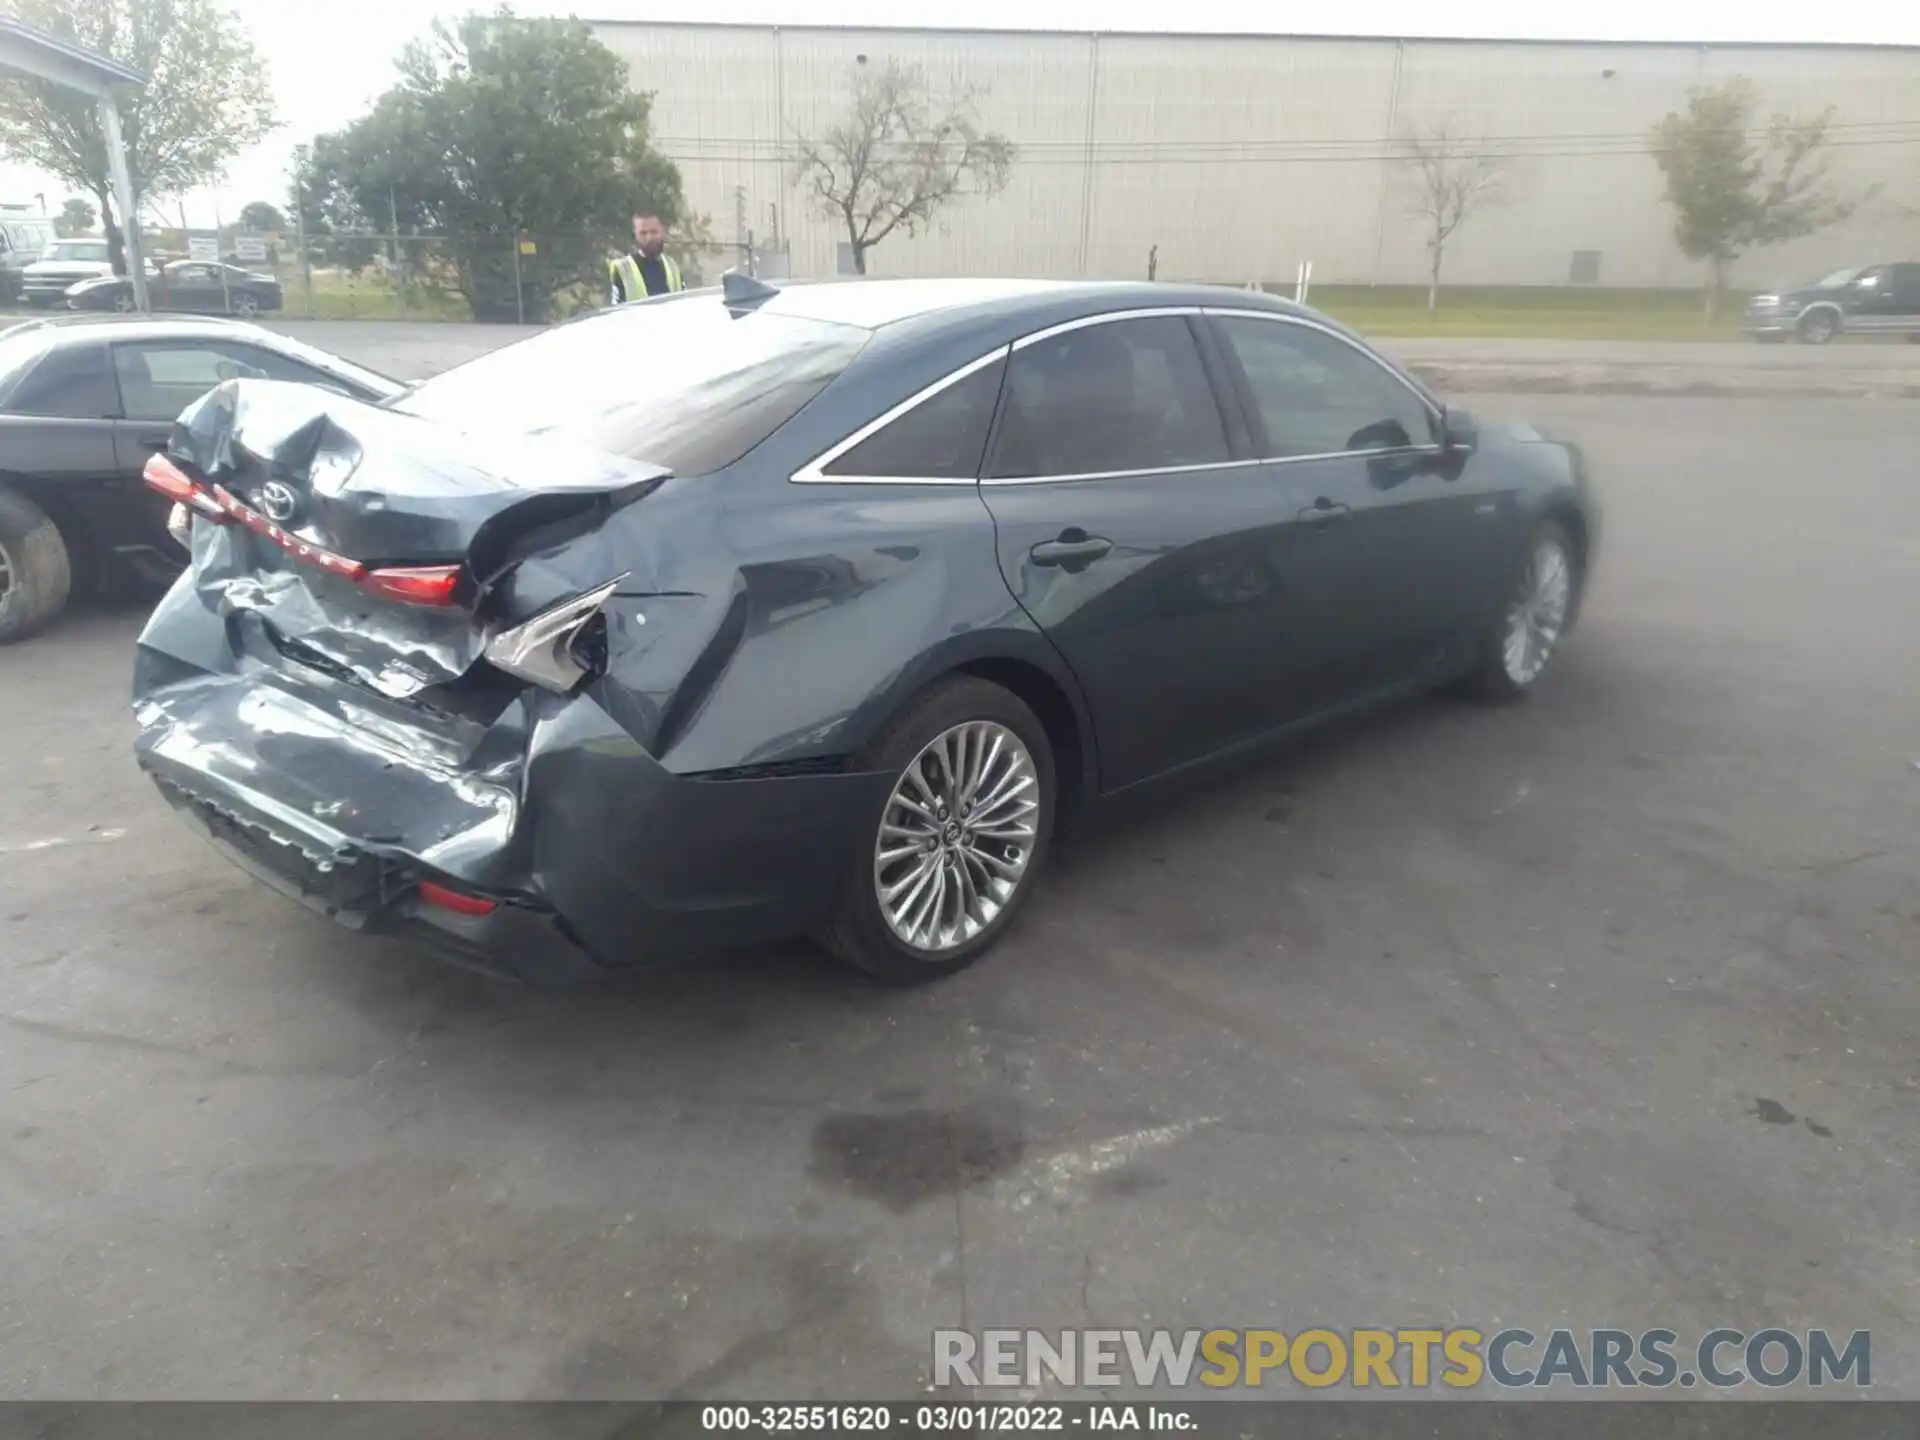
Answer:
(48, 57)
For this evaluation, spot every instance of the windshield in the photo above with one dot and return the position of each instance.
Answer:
(77, 250)
(682, 383)
(1836, 279)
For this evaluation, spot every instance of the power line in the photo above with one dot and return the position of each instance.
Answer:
(1196, 153)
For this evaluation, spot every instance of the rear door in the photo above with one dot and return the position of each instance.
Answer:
(1399, 555)
(1137, 531)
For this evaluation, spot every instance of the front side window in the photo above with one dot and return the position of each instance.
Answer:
(1314, 394)
(160, 378)
(1120, 396)
(684, 383)
(74, 382)
(939, 439)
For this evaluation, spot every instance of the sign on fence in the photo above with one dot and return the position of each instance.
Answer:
(203, 247)
(249, 247)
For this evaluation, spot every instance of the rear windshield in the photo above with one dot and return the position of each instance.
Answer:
(682, 383)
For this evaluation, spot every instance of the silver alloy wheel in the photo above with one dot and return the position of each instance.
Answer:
(1538, 613)
(6, 573)
(956, 836)
(123, 303)
(246, 306)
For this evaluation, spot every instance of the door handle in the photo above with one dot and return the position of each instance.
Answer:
(1074, 549)
(1323, 512)
(157, 445)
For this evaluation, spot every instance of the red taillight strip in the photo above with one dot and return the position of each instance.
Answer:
(457, 901)
(251, 518)
(411, 584)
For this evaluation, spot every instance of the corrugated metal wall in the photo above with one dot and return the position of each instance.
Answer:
(1240, 157)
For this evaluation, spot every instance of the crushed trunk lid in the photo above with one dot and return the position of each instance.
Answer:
(369, 541)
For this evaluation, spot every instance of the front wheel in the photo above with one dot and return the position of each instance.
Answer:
(1523, 637)
(942, 868)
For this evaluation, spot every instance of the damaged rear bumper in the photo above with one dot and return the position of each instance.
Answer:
(594, 856)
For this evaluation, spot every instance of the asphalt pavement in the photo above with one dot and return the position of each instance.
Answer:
(1597, 1010)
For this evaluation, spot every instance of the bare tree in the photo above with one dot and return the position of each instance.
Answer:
(899, 156)
(1450, 177)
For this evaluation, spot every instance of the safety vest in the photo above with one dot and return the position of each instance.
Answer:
(627, 270)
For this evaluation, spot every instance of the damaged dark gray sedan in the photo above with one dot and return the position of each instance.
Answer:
(747, 614)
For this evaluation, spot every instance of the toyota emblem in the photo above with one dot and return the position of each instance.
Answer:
(278, 502)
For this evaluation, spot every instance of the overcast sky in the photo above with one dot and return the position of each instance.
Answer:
(328, 60)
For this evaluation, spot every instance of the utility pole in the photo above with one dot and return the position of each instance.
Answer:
(123, 193)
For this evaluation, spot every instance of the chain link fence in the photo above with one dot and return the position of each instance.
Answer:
(534, 278)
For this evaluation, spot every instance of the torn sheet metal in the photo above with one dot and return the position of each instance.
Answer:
(382, 488)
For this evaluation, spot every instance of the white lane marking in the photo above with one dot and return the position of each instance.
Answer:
(95, 837)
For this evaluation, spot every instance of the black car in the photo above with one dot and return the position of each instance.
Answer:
(193, 286)
(1874, 300)
(736, 615)
(84, 403)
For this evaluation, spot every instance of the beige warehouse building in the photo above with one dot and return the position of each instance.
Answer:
(1242, 156)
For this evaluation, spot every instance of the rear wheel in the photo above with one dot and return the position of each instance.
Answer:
(245, 306)
(942, 868)
(1819, 327)
(1523, 637)
(34, 571)
(124, 303)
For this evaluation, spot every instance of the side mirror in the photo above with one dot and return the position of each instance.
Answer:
(1459, 431)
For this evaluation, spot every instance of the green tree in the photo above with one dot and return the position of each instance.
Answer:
(500, 127)
(1735, 184)
(262, 217)
(206, 98)
(76, 217)
(899, 156)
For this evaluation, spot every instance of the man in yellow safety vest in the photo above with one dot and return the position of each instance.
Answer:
(646, 269)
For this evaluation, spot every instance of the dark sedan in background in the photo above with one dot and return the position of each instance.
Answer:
(1869, 300)
(753, 613)
(193, 286)
(85, 401)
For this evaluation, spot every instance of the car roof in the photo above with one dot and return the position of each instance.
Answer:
(138, 327)
(872, 304)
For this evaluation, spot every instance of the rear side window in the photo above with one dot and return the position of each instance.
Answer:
(939, 439)
(1120, 396)
(71, 383)
(1315, 394)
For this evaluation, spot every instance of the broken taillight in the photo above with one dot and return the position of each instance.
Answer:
(459, 902)
(410, 584)
(543, 649)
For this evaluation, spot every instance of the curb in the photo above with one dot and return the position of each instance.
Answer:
(1672, 384)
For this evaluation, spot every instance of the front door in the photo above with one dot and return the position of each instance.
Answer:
(1400, 558)
(1139, 535)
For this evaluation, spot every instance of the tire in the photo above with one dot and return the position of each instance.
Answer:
(35, 575)
(123, 303)
(1817, 327)
(245, 306)
(960, 718)
(1501, 674)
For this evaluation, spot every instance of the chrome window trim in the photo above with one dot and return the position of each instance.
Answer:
(1120, 474)
(813, 472)
(1109, 317)
(1432, 406)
